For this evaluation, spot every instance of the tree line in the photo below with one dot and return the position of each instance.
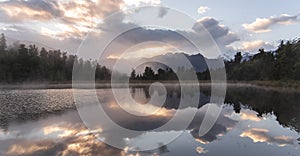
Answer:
(169, 75)
(149, 74)
(19, 63)
(280, 64)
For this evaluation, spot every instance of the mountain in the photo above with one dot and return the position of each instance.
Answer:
(12, 42)
(171, 60)
(247, 56)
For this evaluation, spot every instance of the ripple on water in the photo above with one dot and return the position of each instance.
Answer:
(24, 104)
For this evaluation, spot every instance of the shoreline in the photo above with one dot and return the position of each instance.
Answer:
(273, 85)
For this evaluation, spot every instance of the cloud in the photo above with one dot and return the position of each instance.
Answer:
(19, 11)
(52, 22)
(76, 17)
(253, 46)
(162, 12)
(27, 35)
(203, 9)
(137, 3)
(261, 25)
(220, 33)
(111, 28)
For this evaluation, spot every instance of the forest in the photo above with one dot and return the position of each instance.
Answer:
(19, 63)
(280, 64)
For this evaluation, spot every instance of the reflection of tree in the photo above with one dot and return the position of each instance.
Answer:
(174, 95)
(285, 105)
(163, 148)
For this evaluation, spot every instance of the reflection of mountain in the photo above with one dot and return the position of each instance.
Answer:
(174, 60)
(179, 60)
(220, 128)
(154, 65)
(174, 96)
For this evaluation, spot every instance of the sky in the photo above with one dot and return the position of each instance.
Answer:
(235, 25)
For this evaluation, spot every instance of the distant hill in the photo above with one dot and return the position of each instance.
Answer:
(175, 60)
(12, 41)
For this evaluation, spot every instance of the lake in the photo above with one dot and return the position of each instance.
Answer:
(252, 121)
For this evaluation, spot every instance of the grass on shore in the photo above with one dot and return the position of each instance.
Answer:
(268, 84)
(274, 84)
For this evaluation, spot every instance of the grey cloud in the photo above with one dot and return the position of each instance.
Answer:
(137, 35)
(219, 33)
(162, 12)
(42, 5)
(29, 36)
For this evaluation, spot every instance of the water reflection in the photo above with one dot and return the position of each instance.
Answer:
(246, 125)
(283, 104)
(55, 135)
(262, 135)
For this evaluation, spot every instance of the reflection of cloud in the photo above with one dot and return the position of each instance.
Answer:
(26, 149)
(61, 131)
(261, 25)
(82, 143)
(263, 135)
(202, 141)
(249, 115)
(201, 150)
(141, 109)
(64, 130)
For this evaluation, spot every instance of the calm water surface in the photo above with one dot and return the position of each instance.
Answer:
(252, 122)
